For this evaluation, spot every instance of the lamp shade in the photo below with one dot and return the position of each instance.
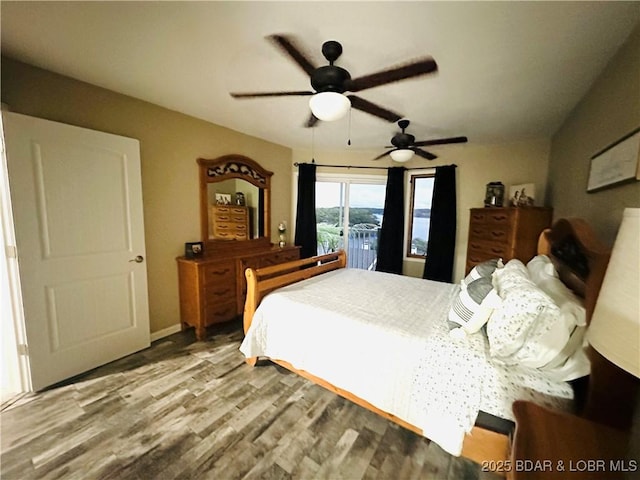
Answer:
(402, 155)
(615, 325)
(329, 106)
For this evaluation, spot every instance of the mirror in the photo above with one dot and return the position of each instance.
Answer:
(237, 193)
(234, 204)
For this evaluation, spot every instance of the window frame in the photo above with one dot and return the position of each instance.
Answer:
(426, 173)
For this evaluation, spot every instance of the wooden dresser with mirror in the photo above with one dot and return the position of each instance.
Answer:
(236, 235)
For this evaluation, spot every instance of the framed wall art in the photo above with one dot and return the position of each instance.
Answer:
(616, 164)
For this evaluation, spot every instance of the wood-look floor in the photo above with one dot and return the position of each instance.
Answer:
(185, 409)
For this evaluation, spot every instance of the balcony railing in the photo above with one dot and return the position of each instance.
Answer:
(362, 250)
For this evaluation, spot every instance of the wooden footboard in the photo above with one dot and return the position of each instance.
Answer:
(263, 280)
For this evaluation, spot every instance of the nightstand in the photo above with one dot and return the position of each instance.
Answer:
(550, 445)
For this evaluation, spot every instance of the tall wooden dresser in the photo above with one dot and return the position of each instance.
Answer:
(213, 289)
(507, 233)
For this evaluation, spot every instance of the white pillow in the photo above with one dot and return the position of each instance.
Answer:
(545, 276)
(525, 315)
(571, 362)
(540, 267)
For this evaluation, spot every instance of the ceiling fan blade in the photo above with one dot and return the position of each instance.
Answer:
(440, 141)
(414, 69)
(288, 45)
(424, 154)
(311, 121)
(382, 155)
(366, 106)
(270, 94)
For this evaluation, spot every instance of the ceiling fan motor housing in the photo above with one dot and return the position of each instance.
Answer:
(403, 140)
(329, 78)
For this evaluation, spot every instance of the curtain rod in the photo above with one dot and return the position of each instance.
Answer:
(362, 166)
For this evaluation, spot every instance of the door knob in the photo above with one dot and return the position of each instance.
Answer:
(138, 259)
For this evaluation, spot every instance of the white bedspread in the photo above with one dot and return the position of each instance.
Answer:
(385, 338)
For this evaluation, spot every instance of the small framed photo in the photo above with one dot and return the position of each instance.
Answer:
(193, 249)
(223, 199)
(522, 195)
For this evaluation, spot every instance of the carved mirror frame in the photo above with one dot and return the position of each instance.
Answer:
(234, 167)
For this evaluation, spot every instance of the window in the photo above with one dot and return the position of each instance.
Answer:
(349, 215)
(419, 214)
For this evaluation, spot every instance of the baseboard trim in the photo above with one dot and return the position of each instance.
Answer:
(165, 332)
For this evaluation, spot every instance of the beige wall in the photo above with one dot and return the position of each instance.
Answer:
(170, 142)
(512, 164)
(610, 110)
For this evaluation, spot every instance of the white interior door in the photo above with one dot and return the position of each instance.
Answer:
(76, 197)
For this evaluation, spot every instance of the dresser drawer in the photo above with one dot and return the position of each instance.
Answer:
(229, 210)
(480, 251)
(491, 232)
(221, 312)
(279, 257)
(223, 229)
(220, 293)
(238, 217)
(219, 274)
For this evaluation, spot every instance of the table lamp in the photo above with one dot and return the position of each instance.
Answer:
(614, 331)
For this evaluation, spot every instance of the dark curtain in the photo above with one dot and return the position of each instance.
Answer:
(442, 230)
(306, 235)
(260, 209)
(390, 242)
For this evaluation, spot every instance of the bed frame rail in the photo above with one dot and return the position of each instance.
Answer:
(264, 280)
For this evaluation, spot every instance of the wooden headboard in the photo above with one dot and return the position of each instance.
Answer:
(579, 257)
(581, 260)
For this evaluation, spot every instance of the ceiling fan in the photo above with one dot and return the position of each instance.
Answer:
(330, 82)
(404, 145)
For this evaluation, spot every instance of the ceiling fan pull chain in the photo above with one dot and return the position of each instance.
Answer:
(349, 139)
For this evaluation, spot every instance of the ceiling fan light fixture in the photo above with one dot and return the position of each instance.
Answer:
(401, 155)
(329, 106)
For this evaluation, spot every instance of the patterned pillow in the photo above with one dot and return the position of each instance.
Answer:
(524, 317)
(469, 300)
(484, 269)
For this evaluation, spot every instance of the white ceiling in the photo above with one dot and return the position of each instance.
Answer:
(507, 70)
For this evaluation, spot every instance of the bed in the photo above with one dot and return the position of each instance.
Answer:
(391, 343)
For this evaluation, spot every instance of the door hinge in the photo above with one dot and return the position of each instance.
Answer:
(11, 251)
(23, 349)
